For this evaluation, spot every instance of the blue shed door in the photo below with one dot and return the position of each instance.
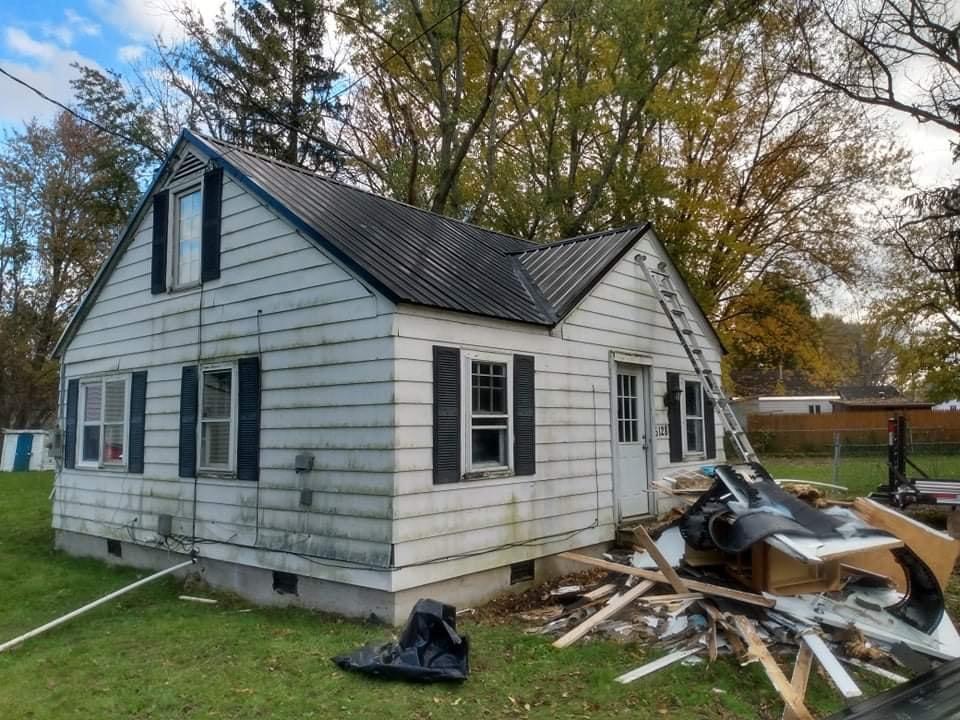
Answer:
(21, 459)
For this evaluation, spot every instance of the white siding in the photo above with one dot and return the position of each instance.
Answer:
(570, 499)
(327, 359)
(348, 377)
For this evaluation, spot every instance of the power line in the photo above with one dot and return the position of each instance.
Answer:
(280, 121)
(78, 116)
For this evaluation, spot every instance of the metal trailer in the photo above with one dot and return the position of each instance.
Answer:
(901, 490)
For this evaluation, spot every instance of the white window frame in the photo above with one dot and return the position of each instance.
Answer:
(466, 404)
(231, 467)
(186, 187)
(687, 452)
(102, 380)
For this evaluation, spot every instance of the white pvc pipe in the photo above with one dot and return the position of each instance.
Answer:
(96, 603)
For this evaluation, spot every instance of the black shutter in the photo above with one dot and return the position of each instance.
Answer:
(70, 433)
(189, 391)
(210, 232)
(524, 416)
(248, 419)
(158, 266)
(709, 429)
(138, 408)
(674, 417)
(446, 414)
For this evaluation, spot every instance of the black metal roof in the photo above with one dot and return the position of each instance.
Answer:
(407, 253)
(566, 270)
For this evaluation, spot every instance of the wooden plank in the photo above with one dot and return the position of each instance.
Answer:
(882, 672)
(757, 650)
(831, 666)
(800, 678)
(937, 549)
(693, 585)
(600, 592)
(673, 597)
(658, 664)
(666, 568)
(615, 605)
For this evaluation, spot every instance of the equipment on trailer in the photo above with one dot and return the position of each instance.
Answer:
(669, 298)
(901, 490)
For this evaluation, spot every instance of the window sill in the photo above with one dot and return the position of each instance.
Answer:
(487, 474)
(100, 468)
(216, 475)
(183, 288)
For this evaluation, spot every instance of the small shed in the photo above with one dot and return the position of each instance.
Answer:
(24, 450)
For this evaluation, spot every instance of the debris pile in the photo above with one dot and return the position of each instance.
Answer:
(754, 571)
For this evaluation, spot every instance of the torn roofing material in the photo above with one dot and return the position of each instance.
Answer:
(412, 255)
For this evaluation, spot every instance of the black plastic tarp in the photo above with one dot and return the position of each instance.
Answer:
(428, 650)
(932, 696)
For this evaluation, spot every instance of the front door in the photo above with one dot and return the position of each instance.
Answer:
(21, 458)
(631, 449)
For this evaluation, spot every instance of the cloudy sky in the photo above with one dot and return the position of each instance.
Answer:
(40, 39)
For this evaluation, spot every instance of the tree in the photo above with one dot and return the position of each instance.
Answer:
(257, 78)
(65, 191)
(862, 353)
(904, 55)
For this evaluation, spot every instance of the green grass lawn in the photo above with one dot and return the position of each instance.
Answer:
(861, 475)
(150, 655)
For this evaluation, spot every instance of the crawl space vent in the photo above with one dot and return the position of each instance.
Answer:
(115, 548)
(284, 583)
(521, 572)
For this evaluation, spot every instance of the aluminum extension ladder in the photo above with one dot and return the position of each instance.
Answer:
(666, 293)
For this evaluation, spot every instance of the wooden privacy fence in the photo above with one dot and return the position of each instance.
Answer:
(818, 433)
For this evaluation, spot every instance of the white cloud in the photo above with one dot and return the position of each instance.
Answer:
(130, 53)
(143, 20)
(81, 24)
(74, 24)
(20, 42)
(43, 65)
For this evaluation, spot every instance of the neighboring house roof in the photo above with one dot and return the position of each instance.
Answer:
(866, 392)
(799, 397)
(412, 255)
(883, 403)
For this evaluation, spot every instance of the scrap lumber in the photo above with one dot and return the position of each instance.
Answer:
(828, 661)
(937, 549)
(600, 592)
(658, 664)
(673, 597)
(712, 639)
(882, 672)
(692, 585)
(666, 568)
(757, 650)
(615, 605)
(800, 677)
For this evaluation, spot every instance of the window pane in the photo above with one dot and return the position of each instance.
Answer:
(188, 237)
(216, 394)
(114, 401)
(113, 443)
(695, 435)
(694, 398)
(92, 402)
(91, 443)
(215, 445)
(489, 387)
(627, 413)
(489, 446)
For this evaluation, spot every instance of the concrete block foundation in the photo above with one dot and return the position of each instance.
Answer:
(257, 585)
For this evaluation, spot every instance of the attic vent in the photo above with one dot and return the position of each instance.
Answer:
(521, 572)
(189, 165)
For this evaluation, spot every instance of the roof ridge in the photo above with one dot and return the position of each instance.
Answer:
(582, 238)
(326, 178)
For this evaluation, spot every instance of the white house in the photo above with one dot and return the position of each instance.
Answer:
(782, 405)
(345, 402)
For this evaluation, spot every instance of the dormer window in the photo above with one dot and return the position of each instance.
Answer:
(186, 237)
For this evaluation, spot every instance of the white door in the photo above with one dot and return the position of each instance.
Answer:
(631, 448)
